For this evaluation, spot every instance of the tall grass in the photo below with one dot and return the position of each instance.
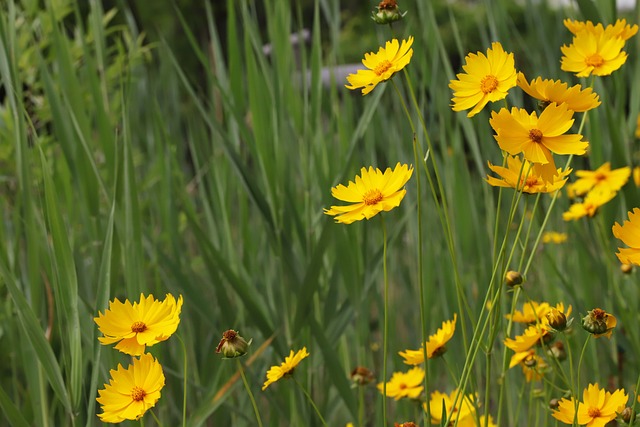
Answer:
(126, 173)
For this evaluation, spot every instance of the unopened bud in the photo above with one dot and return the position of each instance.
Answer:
(554, 403)
(232, 344)
(387, 12)
(628, 415)
(557, 319)
(513, 278)
(362, 376)
(626, 268)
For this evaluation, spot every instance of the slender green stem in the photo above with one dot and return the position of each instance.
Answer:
(184, 369)
(155, 417)
(251, 397)
(360, 406)
(315, 408)
(386, 321)
(574, 393)
(584, 347)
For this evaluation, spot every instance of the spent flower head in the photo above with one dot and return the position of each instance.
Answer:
(387, 12)
(232, 344)
(362, 376)
(599, 323)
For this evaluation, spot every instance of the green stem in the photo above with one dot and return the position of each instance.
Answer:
(155, 417)
(386, 321)
(324, 423)
(184, 398)
(246, 386)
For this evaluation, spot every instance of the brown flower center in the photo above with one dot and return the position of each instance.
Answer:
(402, 386)
(138, 394)
(488, 83)
(138, 327)
(594, 412)
(529, 182)
(382, 67)
(598, 313)
(600, 177)
(388, 4)
(372, 197)
(535, 135)
(594, 60)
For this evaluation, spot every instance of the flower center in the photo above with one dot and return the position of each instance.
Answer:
(138, 394)
(535, 135)
(138, 327)
(529, 182)
(488, 83)
(402, 386)
(598, 313)
(594, 412)
(372, 197)
(382, 67)
(600, 176)
(594, 60)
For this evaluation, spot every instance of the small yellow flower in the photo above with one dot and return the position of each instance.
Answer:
(435, 345)
(485, 78)
(548, 91)
(596, 53)
(532, 312)
(464, 410)
(372, 192)
(404, 384)
(554, 237)
(636, 176)
(599, 323)
(620, 29)
(602, 178)
(381, 66)
(629, 233)
(589, 206)
(531, 177)
(597, 408)
(142, 324)
(528, 339)
(537, 137)
(286, 368)
(132, 391)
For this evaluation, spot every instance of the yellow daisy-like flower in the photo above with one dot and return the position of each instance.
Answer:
(554, 237)
(531, 176)
(464, 410)
(404, 384)
(435, 345)
(601, 179)
(485, 78)
(589, 206)
(549, 91)
(629, 233)
(528, 339)
(381, 66)
(131, 391)
(637, 132)
(372, 192)
(532, 312)
(620, 29)
(596, 53)
(286, 368)
(138, 325)
(597, 408)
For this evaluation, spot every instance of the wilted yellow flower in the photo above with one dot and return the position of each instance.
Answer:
(132, 391)
(286, 368)
(599, 323)
(404, 384)
(629, 233)
(371, 193)
(596, 53)
(589, 205)
(531, 177)
(620, 29)
(602, 178)
(485, 78)
(597, 408)
(144, 323)
(528, 339)
(382, 65)
(464, 410)
(554, 237)
(435, 345)
(548, 91)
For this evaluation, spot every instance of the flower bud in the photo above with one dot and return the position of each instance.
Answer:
(557, 351)
(232, 344)
(626, 268)
(513, 278)
(554, 403)
(628, 416)
(599, 322)
(362, 376)
(387, 12)
(557, 319)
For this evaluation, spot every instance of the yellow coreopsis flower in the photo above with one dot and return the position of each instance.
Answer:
(597, 408)
(435, 345)
(629, 233)
(601, 179)
(286, 368)
(620, 29)
(594, 53)
(589, 206)
(132, 391)
(404, 384)
(548, 91)
(532, 178)
(537, 137)
(381, 66)
(485, 78)
(532, 312)
(554, 237)
(372, 192)
(464, 410)
(135, 326)
(528, 339)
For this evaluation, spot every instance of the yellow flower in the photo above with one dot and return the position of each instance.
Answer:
(520, 132)
(629, 233)
(531, 176)
(142, 324)
(464, 410)
(404, 384)
(589, 205)
(286, 368)
(549, 91)
(382, 65)
(532, 312)
(636, 176)
(371, 193)
(597, 408)
(637, 134)
(528, 339)
(554, 237)
(131, 391)
(486, 78)
(602, 178)
(596, 53)
(435, 345)
(599, 323)
(620, 29)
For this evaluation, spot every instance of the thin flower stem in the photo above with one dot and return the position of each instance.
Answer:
(386, 321)
(574, 393)
(584, 347)
(251, 397)
(635, 400)
(155, 417)
(306, 393)
(184, 397)
(360, 406)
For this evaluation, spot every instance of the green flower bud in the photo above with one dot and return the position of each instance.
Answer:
(513, 278)
(387, 12)
(232, 344)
